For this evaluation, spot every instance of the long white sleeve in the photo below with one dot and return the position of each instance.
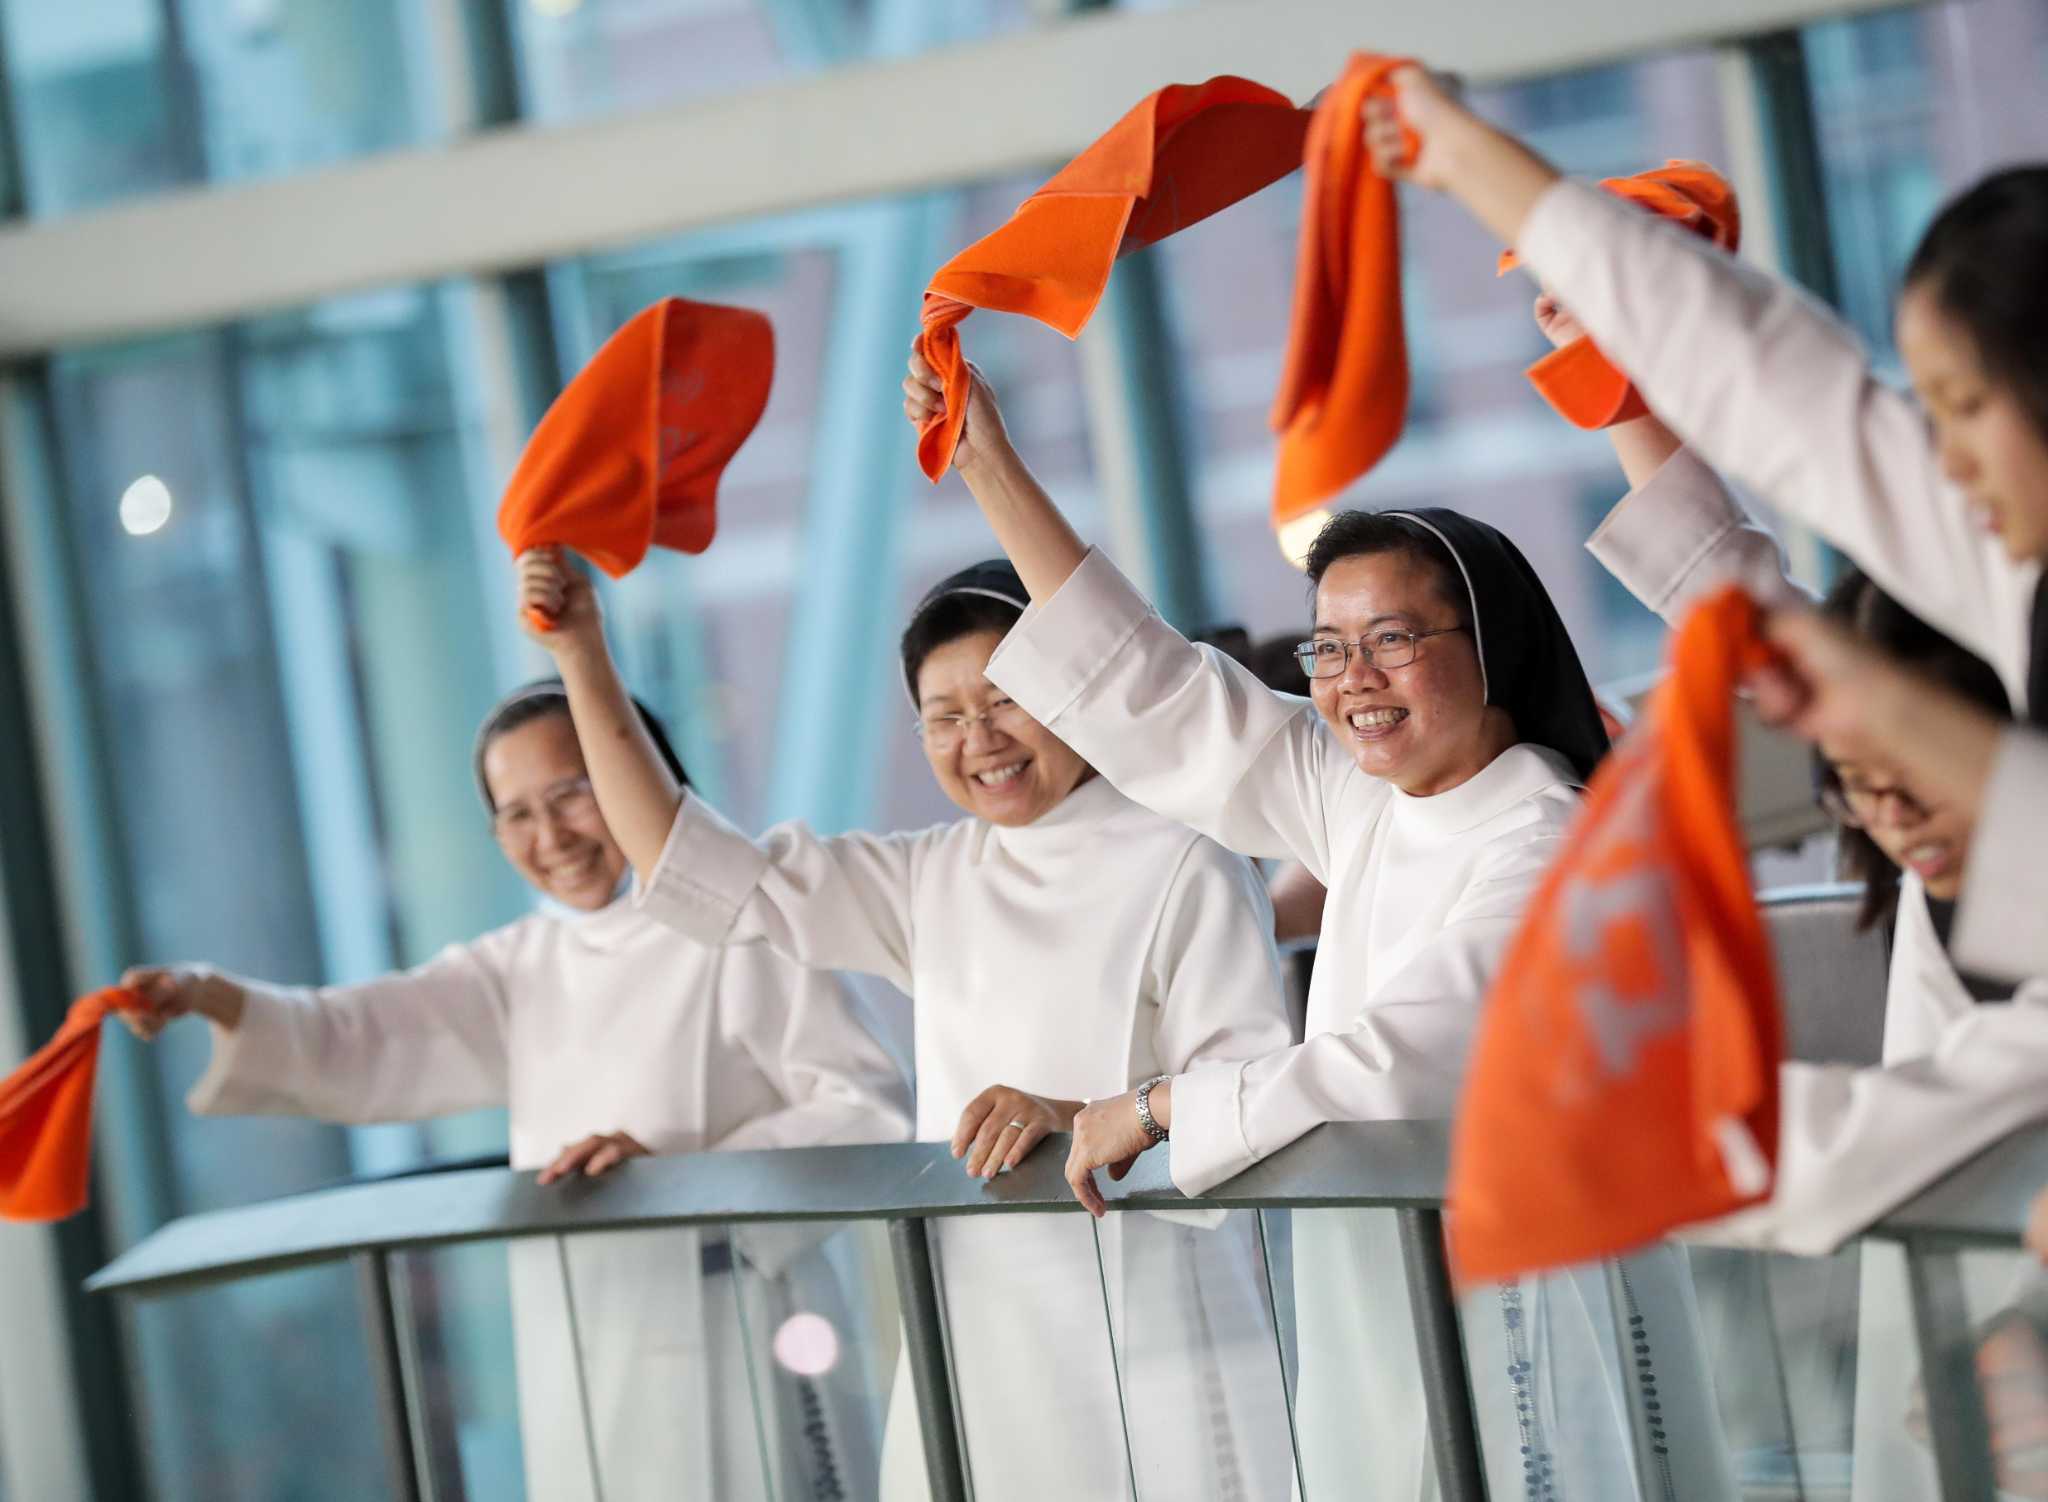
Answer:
(1402, 1057)
(842, 903)
(1680, 534)
(798, 1026)
(2002, 919)
(1179, 728)
(1214, 964)
(1775, 392)
(423, 1042)
(1854, 1143)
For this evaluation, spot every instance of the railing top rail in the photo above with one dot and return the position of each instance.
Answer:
(1346, 1166)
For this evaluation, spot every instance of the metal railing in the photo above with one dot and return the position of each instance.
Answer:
(1397, 1166)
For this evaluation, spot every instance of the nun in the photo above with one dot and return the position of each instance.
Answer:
(1058, 943)
(605, 1036)
(1428, 786)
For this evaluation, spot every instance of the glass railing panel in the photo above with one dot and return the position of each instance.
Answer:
(1783, 1344)
(457, 1337)
(1035, 1377)
(1593, 1382)
(1360, 1418)
(820, 1332)
(1197, 1348)
(641, 1371)
(1989, 1312)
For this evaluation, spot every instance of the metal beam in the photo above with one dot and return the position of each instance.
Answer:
(515, 198)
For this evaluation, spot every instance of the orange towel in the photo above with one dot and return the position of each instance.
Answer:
(631, 452)
(1576, 378)
(1181, 155)
(1344, 387)
(1624, 1080)
(46, 1114)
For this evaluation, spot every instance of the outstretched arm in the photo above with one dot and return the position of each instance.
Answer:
(1039, 540)
(636, 792)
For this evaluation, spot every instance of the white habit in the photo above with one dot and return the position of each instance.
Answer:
(1774, 391)
(601, 1022)
(1424, 896)
(1071, 958)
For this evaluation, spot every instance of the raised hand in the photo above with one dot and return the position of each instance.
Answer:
(593, 1156)
(1426, 104)
(553, 588)
(1002, 1125)
(1556, 321)
(924, 398)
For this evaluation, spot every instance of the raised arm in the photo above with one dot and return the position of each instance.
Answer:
(636, 792)
(1764, 384)
(420, 1043)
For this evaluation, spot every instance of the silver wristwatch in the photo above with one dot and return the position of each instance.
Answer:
(1152, 1128)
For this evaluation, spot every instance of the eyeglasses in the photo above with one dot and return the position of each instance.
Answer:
(1328, 656)
(564, 802)
(1857, 805)
(942, 732)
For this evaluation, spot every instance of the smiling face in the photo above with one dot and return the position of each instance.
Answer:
(1928, 839)
(545, 817)
(1988, 443)
(1000, 765)
(1425, 727)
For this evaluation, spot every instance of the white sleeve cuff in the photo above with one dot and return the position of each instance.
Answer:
(1679, 534)
(1208, 1143)
(2000, 927)
(706, 873)
(252, 1064)
(1059, 647)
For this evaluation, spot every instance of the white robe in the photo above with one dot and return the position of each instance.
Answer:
(1424, 896)
(1774, 391)
(1072, 958)
(1853, 1142)
(598, 1023)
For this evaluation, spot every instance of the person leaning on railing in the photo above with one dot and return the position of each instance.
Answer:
(1428, 785)
(1058, 942)
(605, 1037)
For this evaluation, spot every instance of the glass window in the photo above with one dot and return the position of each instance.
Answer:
(275, 538)
(120, 97)
(583, 58)
(1478, 438)
(1913, 106)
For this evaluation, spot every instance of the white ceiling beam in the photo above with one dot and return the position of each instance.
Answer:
(516, 198)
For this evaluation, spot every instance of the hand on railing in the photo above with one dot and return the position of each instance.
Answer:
(1002, 1124)
(596, 1154)
(1108, 1134)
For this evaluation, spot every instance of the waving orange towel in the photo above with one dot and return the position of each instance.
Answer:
(1344, 387)
(1181, 155)
(631, 452)
(1576, 378)
(1624, 1080)
(46, 1114)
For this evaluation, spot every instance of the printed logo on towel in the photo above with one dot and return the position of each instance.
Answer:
(678, 436)
(1621, 940)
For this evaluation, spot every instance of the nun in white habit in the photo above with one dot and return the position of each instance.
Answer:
(605, 1036)
(1058, 943)
(1428, 786)
(1965, 1059)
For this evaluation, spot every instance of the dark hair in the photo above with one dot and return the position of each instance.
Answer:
(1879, 619)
(1981, 260)
(539, 700)
(947, 619)
(1355, 534)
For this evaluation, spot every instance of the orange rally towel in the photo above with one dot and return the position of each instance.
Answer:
(1624, 1080)
(46, 1114)
(631, 452)
(1182, 154)
(1344, 387)
(1576, 378)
